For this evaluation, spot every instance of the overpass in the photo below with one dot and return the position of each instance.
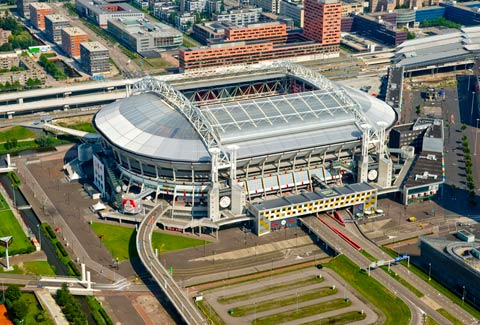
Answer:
(181, 302)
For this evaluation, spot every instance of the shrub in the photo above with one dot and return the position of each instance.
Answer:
(61, 249)
(73, 268)
(50, 232)
(13, 293)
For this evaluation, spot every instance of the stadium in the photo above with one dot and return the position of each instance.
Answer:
(265, 142)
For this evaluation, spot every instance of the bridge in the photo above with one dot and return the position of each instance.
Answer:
(182, 303)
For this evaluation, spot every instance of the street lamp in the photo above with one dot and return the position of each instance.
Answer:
(39, 238)
(429, 271)
(471, 110)
(463, 295)
(476, 136)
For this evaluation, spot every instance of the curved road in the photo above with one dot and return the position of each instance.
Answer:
(182, 303)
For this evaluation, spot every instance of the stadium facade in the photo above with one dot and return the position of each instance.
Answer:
(217, 144)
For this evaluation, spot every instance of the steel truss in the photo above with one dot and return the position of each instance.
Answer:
(190, 111)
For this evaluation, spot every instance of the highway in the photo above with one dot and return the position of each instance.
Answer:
(417, 306)
(175, 294)
(429, 292)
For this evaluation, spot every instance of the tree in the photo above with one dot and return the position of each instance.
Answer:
(19, 309)
(63, 295)
(44, 141)
(13, 293)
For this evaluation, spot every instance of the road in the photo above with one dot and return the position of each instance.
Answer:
(128, 67)
(416, 306)
(429, 292)
(175, 294)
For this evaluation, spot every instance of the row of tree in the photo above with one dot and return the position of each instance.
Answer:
(51, 68)
(30, 83)
(70, 307)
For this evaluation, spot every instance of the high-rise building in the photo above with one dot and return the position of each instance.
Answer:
(23, 8)
(71, 39)
(38, 11)
(94, 57)
(53, 27)
(322, 21)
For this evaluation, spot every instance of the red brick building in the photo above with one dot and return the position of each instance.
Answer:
(322, 21)
(274, 31)
(71, 39)
(38, 11)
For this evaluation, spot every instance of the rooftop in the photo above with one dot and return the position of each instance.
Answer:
(427, 169)
(311, 196)
(57, 18)
(140, 27)
(73, 31)
(94, 46)
(40, 5)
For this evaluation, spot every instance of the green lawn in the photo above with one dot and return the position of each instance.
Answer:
(395, 310)
(303, 312)
(449, 316)
(156, 63)
(17, 132)
(38, 268)
(34, 309)
(288, 300)
(345, 318)
(269, 290)
(430, 321)
(404, 282)
(9, 226)
(85, 126)
(120, 241)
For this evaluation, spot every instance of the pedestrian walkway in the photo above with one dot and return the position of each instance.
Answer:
(48, 303)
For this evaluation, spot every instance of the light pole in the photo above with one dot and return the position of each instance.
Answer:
(14, 199)
(39, 238)
(476, 136)
(471, 110)
(463, 295)
(429, 271)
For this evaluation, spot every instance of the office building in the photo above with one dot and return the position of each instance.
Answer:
(322, 21)
(23, 8)
(144, 36)
(71, 39)
(95, 57)
(53, 27)
(38, 11)
(4, 34)
(240, 17)
(100, 11)
(294, 10)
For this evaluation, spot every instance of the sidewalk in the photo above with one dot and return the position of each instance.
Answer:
(35, 194)
(49, 304)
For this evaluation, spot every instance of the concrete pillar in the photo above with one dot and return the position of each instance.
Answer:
(89, 283)
(20, 100)
(83, 272)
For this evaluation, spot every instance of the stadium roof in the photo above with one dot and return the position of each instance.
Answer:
(148, 125)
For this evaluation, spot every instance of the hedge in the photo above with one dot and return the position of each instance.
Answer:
(50, 232)
(61, 249)
(99, 314)
(72, 267)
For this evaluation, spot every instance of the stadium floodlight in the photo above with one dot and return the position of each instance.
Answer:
(5, 242)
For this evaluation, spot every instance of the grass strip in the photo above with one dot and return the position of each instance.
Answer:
(269, 290)
(430, 321)
(302, 312)
(449, 316)
(437, 285)
(210, 313)
(367, 255)
(404, 282)
(394, 309)
(281, 302)
(345, 318)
